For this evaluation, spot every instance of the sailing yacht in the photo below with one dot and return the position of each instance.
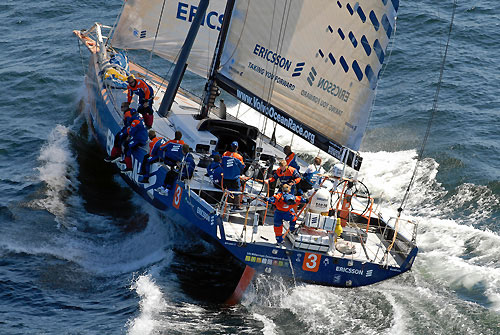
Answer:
(310, 67)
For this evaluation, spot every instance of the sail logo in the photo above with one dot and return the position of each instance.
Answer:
(298, 69)
(187, 12)
(141, 34)
(312, 76)
(333, 89)
(275, 58)
(269, 111)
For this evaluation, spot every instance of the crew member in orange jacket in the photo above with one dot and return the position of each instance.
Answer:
(286, 175)
(145, 94)
(290, 158)
(286, 204)
(177, 138)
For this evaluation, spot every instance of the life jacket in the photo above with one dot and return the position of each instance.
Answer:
(175, 141)
(235, 155)
(154, 146)
(284, 177)
(286, 202)
(290, 161)
(141, 89)
(129, 116)
(232, 165)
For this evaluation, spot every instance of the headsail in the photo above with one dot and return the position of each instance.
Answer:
(311, 66)
(140, 20)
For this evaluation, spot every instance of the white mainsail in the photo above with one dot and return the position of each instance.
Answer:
(140, 20)
(312, 66)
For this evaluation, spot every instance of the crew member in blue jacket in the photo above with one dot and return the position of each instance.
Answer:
(186, 166)
(214, 171)
(129, 115)
(171, 153)
(137, 137)
(232, 166)
(155, 142)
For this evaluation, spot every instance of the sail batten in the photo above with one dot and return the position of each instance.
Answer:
(317, 62)
(141, 27)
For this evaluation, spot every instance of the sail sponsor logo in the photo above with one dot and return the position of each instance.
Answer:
(187, 12)
(271, 76)
(271, 113)
(272, 57)
(333, 89)
(322, 103)
(351, 271)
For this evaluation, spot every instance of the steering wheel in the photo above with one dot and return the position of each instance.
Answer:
(359, 190)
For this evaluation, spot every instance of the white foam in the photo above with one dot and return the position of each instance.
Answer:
(58, 170)
(151, 304)
(269, 325)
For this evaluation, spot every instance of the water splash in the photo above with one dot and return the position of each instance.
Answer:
(58, 171)
(151, 305)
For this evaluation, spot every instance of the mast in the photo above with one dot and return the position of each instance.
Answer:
(180, 67)
(211, 88)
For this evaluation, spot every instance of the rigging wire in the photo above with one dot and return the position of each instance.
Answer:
(114, 24)
(434, 109)
(280, 42)
(156, 36)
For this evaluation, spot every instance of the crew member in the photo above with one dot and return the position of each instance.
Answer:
(177, 138)
(129, 115)
(186, 168)
(232, 166)
(311, 175)
(286, 175)
(137, 137)
(214, 171)
(153, 156)
(290, 158)
(286, 204)
(145, 94)
(171, 153)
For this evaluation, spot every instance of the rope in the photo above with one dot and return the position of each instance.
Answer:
(434, 109)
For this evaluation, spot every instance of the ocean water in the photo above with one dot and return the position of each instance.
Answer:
(81, 254)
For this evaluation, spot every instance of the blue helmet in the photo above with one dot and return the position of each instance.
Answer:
(234, 144)
(289, 198)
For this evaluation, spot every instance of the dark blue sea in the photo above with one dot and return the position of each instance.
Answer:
(82, 254)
